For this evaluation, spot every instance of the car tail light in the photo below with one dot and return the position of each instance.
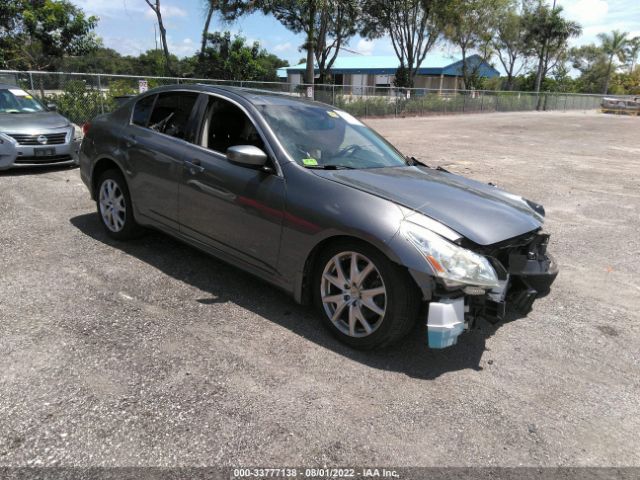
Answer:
(85, 127)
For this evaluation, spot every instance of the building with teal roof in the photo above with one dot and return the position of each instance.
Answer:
(437, 72)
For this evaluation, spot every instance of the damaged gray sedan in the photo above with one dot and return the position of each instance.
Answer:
(308, 198)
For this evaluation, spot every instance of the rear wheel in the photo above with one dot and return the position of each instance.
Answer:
(115, 208)
(364, 299)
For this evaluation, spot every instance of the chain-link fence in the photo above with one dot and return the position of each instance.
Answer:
(81, 97)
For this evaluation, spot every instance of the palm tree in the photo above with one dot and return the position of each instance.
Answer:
(547, 36)
(614, 45)
(633, 49)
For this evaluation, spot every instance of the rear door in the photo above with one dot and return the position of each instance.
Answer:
(156, 143)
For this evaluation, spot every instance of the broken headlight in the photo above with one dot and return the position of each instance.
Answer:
(453, 264)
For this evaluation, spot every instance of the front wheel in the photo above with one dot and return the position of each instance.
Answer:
(115, 208)
(364, 299)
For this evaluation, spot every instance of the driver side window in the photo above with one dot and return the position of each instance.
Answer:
(226, 125)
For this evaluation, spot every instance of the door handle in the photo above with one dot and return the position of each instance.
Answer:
(194, 166)
(130, 141)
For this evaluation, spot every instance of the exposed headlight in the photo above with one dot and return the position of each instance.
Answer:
(454, 264)
(77, 132)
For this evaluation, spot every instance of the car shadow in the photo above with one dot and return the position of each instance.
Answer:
(226, 283)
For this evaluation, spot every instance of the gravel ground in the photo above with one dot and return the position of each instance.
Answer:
(151, 353)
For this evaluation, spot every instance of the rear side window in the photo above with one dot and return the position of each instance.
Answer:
(171, 113)
(142, 111)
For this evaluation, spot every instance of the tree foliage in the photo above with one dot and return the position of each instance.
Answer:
(548, 34)
(591, 61)
(471, 26)
(413, 26)
(37, 34)
(327, 25)
(335, 25)
(230, 58)
(633, 50)
(614, 45)
(509, 44)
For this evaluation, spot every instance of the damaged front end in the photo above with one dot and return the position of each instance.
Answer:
(525, 272)
(474, 281)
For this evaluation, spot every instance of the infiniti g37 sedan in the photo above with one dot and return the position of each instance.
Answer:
(308, 198)
(32, 134)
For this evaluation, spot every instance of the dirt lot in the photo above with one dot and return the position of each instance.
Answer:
(151, 353)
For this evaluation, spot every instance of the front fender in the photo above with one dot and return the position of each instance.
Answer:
(319, 210)
(8, 152)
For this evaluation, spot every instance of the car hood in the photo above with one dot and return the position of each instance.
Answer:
(31, 122)
(482, 213)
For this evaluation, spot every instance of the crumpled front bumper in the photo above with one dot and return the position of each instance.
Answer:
(526, 272)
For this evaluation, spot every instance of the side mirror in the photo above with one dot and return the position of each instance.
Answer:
(52, 106)
(247, 155)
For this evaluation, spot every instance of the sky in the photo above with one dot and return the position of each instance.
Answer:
(128, 26)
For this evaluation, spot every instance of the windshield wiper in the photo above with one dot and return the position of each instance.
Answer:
(329, 167)
(416, 162)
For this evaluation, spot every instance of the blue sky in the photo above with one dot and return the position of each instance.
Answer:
(128, 26)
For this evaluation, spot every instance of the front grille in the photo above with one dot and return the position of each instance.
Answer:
(52, 138)
(50, 159)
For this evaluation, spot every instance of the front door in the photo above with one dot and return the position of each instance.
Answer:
(155, 144)
(233, 208)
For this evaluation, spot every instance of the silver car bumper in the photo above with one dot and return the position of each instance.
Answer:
(19, 150)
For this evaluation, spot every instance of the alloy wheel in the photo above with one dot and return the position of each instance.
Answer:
(353, 294)
(112, 205)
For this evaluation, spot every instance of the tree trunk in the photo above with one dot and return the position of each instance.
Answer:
(205, 31)
(165, 47)
(606, 82)
(465, 70)
(539, 75)
(510, 76)
(163, 34)
(310, 72)
(41, 85)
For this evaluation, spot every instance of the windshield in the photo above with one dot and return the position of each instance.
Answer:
(320, 137)
(16, 100)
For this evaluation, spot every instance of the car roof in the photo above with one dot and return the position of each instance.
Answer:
(252, 95)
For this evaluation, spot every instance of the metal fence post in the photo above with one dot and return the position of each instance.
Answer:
(31, 81)
(100, 94)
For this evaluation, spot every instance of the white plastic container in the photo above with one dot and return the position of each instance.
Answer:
(445, 322)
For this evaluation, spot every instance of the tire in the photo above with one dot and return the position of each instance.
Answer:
(391, 315)
(115, 210)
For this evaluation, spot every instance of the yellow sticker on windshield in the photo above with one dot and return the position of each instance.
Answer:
(309, 161)
(29, 97)
(333, 114)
